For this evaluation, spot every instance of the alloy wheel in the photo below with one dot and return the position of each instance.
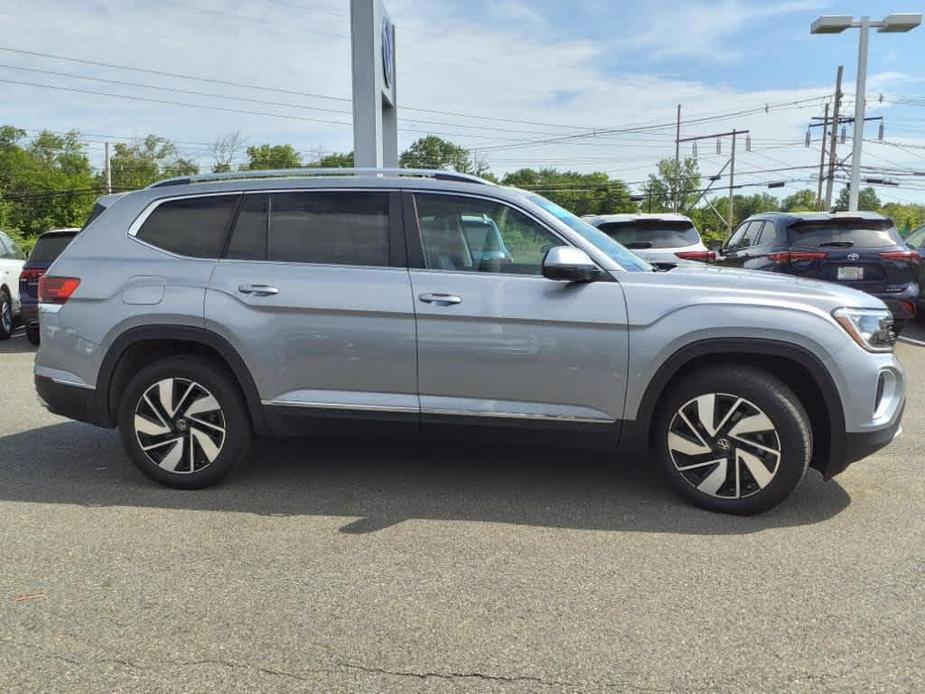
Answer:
(724, 446)
(6, 315)
(179, 425)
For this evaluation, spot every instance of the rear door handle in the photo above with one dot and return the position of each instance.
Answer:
(258, 289)
(440, 299)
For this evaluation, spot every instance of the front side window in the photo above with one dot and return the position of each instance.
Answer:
(478, 235)
(194, 227)
(916, 239)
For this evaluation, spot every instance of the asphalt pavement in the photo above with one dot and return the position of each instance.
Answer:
(363, 567)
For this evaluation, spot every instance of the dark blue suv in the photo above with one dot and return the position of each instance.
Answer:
(861, 250)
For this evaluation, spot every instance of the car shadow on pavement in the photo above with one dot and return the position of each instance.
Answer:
(17, 343)
(380, 484)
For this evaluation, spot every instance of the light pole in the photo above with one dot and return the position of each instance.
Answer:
(835, 24)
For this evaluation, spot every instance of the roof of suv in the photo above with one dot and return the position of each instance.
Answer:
(639, 216)
(794, 217)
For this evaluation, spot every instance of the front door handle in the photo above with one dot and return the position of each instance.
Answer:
(440, 299)
(258, 289)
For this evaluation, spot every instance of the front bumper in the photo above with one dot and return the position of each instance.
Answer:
(855, 446)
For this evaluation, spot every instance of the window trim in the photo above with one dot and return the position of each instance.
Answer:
(415, 242)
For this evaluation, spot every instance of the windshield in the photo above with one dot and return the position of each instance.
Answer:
(613, 249)
(652, 233)
(847, 234)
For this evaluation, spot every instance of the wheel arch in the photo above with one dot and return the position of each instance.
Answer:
(140, 345)
(795, 365)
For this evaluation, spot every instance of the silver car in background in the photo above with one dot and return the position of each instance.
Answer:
(660, 238)
(202, 313)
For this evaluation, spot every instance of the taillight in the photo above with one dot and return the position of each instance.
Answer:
(793, 256)
(902, 256)
(30, 274)
(56, 290)
(702, 256)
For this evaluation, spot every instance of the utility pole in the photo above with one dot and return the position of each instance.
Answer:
(108, 169)
(833, 140)
(732, 175)
(825, 124)
(732, 163)
(677, 161)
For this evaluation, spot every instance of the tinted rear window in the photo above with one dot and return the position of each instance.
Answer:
(49, 247)
(847, 234)
(194, 227)
(651, 234)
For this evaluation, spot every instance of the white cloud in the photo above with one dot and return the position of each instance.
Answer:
(704, 30)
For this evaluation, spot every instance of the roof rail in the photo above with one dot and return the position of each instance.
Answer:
(308, 172)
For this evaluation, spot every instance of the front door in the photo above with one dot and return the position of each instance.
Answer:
(314, 295)
(495, 338)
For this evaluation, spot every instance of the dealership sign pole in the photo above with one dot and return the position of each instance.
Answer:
(375, 117)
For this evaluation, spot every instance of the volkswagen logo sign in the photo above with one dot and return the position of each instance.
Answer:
(388, 51)
(853, 257)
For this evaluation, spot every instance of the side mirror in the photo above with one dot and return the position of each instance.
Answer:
(570, 264)
(715, 245)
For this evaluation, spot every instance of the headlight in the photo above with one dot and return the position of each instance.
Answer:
(871, 328)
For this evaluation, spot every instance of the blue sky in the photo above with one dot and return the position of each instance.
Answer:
(564, 66)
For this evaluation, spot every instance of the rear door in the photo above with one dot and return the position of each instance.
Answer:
(496, 339)
(314, 295)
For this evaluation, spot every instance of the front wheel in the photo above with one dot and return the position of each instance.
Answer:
(183, 422)
(733, 439)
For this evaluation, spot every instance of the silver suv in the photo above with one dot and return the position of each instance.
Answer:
(202, 312)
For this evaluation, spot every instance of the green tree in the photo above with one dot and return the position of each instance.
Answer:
(142, 162)
(906, 216)
(44, 183)
(272, 157)
(800, 201)
(335, 160)
(682, 179)
(867, 200)
(432, 152)
(593, 193)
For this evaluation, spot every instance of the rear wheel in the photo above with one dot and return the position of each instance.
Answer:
(183, 422)
(733, 439)
(33, 334)
(6, 315)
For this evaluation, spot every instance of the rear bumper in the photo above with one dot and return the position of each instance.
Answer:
(29, 314)
(73, 402)
(902, 309)
(856, 446)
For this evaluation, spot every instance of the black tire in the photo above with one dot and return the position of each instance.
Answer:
(6, 315)
(899, 326)
(195, 468)
(739, 393)
(33, 334)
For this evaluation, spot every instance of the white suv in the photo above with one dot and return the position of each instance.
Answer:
(11, 262)
(662, 238)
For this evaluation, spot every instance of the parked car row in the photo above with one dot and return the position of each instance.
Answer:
(861, 250)
(202, 312)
